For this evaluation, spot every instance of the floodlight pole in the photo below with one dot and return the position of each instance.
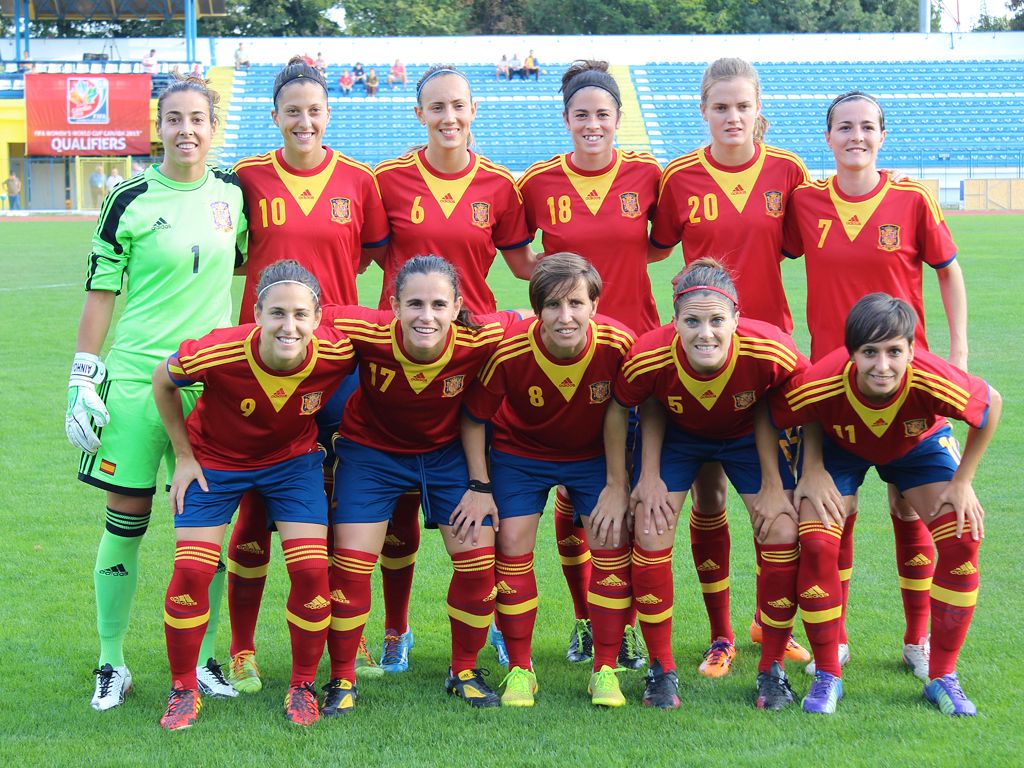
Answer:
(190, 31)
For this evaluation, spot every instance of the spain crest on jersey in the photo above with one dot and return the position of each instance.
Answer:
(630, 202)
(481, 214)
(221, 216)
(773, 203)
(889, 237)
(600, 391)
(914, 427)
(341, 210)
(453, 385)
(743, 400)
(311, 403)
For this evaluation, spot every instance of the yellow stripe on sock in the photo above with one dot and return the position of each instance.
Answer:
(655, 618)
(340, 624)
(714, 586)
(472, 619)
(768, 621)
(245, 572)
(190, 623)
(614, 603)
(820, 617)
(397, 563)
(309, 626)
(948, 596)
(845, 574)
(915, 585)
(578, 560)
(516, 609)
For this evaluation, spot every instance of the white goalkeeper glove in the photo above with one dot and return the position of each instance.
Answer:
(87, 373)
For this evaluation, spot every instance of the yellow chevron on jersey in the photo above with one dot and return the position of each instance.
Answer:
(447, 192)
(420, 375)
(766, 349)
(705, 392)
(593, 190)
(565, 378)
(305, 190)
(736, 186)
(279, 389)
(853, 216)
(878, 420)
(939, 387)
(648, 361)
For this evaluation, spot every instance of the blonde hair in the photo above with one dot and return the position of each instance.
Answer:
(721, 70)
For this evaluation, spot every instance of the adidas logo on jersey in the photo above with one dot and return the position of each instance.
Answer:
(494, 594)
(503, 587)
(185, 600)
(566, 382)
(879, 422)
(593, 195)
(317, 603)
(814, 592)
(708, 565)
(448, 198)
(306, 195)
(338, 596)
(160, 223)
(781, 603)
(419, 377)
(648, 599)
(611, 580)
(708, 395)
(252, 547)
(115, 570)
(738, 190)
(965, 569)
(570, 541)
(280, 393)
(853, 220)
(918, 560)
(393, 541)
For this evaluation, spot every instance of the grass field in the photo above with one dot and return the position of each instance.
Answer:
(47, 622)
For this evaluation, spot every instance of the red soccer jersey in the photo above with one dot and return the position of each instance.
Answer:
(734, 215)
(719, 406)
(463, 217)
(602, 216)
(931, 390)
(250, 416)
(854, 246)
(322, 218)
(543, 407)
(403, 406)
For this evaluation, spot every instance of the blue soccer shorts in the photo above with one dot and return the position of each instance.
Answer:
(522, 485)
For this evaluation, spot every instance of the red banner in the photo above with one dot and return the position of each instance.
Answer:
(87, 115)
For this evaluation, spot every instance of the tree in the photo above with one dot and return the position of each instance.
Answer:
(381, 18)
(1017, 9)
(986, 23)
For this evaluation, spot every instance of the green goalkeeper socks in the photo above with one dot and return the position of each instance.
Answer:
(116, 577)
(206, 650)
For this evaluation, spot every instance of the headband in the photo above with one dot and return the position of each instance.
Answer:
(435, 73)
(291, 78)
(281, 282)
(851, 97)
(591, 78)
(683, 291)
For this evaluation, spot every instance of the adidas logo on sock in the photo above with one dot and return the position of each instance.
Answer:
(494, 594)
(781, 603)
(160, 223)
(393, 541)
(814, 593)
(918, 560)
(648, 599)
(185, 600)
(611, 580)
(317, 603)
(252, 547)
(708, 565)
(503, 587)
(115, 570)
(965, 569)
(570, 541)
(338, 596)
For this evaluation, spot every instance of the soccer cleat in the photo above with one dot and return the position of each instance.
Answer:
(773, 690)
(916, 657)
(243, 674)
(395, 655)
(520, 688)
(339, 697)
(183, 707)
(633, 650)
(661, 689)
(366, 667)
(794, 651)
(825, 693)
(946, 694)
(844, 659)
(469, 685)
(604, 688)
(718, 658)
(581, 642)
(112, 685)
(497, 640)
(212, 683)
(300, 705)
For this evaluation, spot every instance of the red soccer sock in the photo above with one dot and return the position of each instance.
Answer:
(776, 588)
(248, 561)
(516, 606)
(846, 570)
(915, 563)
(611, 598)
(757, 581)
(398, 561)
(709, 542)
(187, 607)
(954, 592)
(654, 596)
(470, 604)
(574, 553)
(308, 610)
(350, 607)
(820, 594)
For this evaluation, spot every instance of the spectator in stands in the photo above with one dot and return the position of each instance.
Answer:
(137, 168)
(397, 74)
(359, 74)
(12, 185)
(113, 180)
(308, 59)
(241, 59)
(197, 71)
(531, 67)
(97, 186)
(345, 82)
(372, 83)
(149, 62)
(321, 64)
(515, 68)
(502, 70)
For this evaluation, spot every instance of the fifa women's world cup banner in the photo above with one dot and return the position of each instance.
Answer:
(85, 114)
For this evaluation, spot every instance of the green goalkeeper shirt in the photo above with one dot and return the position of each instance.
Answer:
(172, 247)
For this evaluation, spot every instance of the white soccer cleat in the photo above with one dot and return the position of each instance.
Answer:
(112, 685)
(916, 657)
(844, 659)
(212, 683)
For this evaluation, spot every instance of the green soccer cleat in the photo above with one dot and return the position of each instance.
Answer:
(581, 642)
(604, 688)
(520, 688)
(366, 667)
(469, 686)
(243, 673)
(633, 650)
